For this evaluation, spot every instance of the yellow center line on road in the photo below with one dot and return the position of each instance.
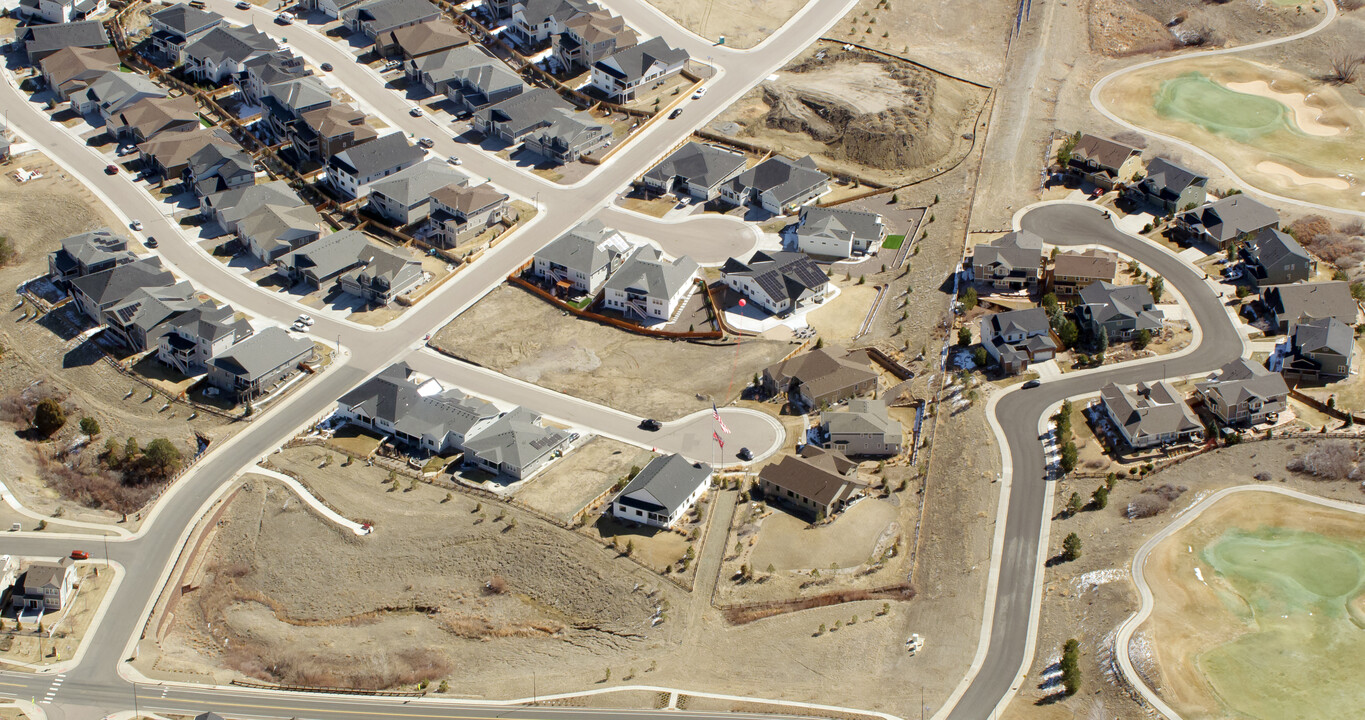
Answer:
(13, 685)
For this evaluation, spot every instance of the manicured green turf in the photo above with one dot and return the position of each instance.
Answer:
(893, 242)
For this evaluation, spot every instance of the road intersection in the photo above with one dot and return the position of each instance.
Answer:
(98, 683)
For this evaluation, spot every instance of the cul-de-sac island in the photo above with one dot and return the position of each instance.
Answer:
(694, 359)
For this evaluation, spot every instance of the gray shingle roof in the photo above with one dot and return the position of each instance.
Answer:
(385, 15)
(703, 165)
(238, 202)
(210, 322)
(262, 354)
(631, 64)
(328, 256)
(781, 274)
(41, 39)
(417, 182)
(646, 272)
(113, 90)
(1167, 180)
(185, 20)
(1271, 248)
(523, 113)
(1107, 302)
(383, 152)
(668, 480)
(1020, 249)
(119, 282)
(230, 43)
(1311, 300)
(1322, 334)
(393, 396)
(516, 439)
(96, 246)
(1231, 217)
(784, 178)
(839, 222)
(1150, 410)
(1242, 380)
(585, 247)
(459, 62)
(864, 417)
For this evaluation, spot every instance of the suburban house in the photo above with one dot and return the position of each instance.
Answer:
(472, 80)
(86, 254)
(1320, 351)
(533, 22)
(1170, 187)
(383, 275)
(377, 17)
(778, 185)
(567, 136)
(331, 8)
(1071, 271)
(1243, 393)
(58, 11)
(1150, 414)
(811, 485)
(222, 53)
(43, 40)
(1104, 162)
(189, 340)
(113, 92)
(863, 429)
(1012, 263)
(1272, 257)
(271, 230)
(649, 288)
(580, 260)
(228, 207)
(219, 166)
(516, 444)
(695, 169)
(69, 71)
(622, 76)
(150, 117)
(820, 377)
(135, 320)
(416, 411)
(167, 155)
(838, 461)
(518, 116)
(9, 574)
(780, 283)
(46, 585)
(405, 198)
(1292, 304)
(97, 292)
(262, 71)
(662, 491)
(1121, 310)
(588, 37)
(352, 171)
(323, 132)
(459, 212)
(422, 39)
(835, 232)
(255, 365)
(1015, 338)
(179, 25)
(1227, 220)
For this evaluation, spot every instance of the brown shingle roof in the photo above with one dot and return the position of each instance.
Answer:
(813, 479)
(824, 370)
(467, 199)
(1093, 264)
(428, 37)
(1102, 151)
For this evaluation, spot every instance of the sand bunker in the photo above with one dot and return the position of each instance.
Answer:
(1294, 177)
(1307, 118)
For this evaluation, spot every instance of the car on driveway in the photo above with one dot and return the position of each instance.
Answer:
(650, 424)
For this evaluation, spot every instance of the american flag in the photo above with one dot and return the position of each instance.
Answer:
(716, 435)
(720, 422)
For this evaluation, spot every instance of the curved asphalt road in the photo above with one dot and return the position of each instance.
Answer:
(1018, 413)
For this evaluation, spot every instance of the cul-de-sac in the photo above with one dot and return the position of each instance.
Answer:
(692, 359)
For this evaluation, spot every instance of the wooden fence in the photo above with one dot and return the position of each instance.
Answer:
(540, 292)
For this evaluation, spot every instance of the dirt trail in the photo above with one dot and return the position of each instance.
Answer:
(708, 565)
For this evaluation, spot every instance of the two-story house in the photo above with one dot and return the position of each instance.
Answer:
(459, 212)
(1122, 311)
(352, 171)
(1011, 263)
(579, 261)
(1320, 351)
(1170, 188)
(863, 429)
(624, 75)
(189, 340)
(179, 25)
(88, 253)
(405, 197)
(780, 282)
(1243, 393)
(1104, 162)
(222, 53)
(1015, 338)
(649, 289)
(778, 185)
(1272, 257)
(1226, 221)
(589, 37)
(1071, 271)
(695, 170)
(46, 585)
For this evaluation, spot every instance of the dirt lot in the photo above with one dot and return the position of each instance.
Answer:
(570, 484)
(640, 375)
(70, 625)
(1088, 598)
(743, 23)
(787, 542)
(860, 114)
(41, 357)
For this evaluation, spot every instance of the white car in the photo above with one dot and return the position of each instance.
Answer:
(415, 112)
(284, 18)
(298, 327)
(136, 224)
(306, 320)
(454, 160)
(243, 5)
(697, 95)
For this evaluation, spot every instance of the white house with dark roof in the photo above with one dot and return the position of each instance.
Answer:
(1012, 263)
(517, 445)
(696, 170)
(135, 320)
(1170, 187)
(1226, 220)
(1243, 393)
(513, 119)
(567, 136)
(417, 411)
(405, 198)
(1272, 257)
(95, 293)
(533, 22)
(331, 8)
(779, 185)
(835, 232)
(113, 92)
(623, 75)
(647, 287)
(1150, 414)
(255, 365)
(471, 82)
(45, 585)
(382, 275)
(780, 282)
(222, 53)
(352, 171)
(580, 260)
(59, 11)
(863, 428)
(1015, 338)
(662, 492)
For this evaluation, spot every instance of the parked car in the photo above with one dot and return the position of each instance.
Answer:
(426, 142)
(298, 327)
(1031, 384)
(415, 112)
(284, 18)
(80, 555)
(151, 242)
(675, 113)
(136, 224)
(745, 455)
(243, 5)
(326, 67)
(306, 320)
(110, 169)
(650, 424)
(700, 92)
(454, 160)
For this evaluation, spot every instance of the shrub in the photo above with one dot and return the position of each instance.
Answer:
(90, 426)
(48, 416)
(1071, 547)
(1326, 461)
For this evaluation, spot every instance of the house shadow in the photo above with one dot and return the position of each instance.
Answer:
(341, 301)
(65, 322)
(83, 355)
(531, 160)
(608, 527)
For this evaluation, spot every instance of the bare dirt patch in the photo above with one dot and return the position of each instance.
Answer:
(743, 23)
(640, 375)
(572, 483)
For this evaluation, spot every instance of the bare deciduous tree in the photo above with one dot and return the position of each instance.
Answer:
(1344, 63)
